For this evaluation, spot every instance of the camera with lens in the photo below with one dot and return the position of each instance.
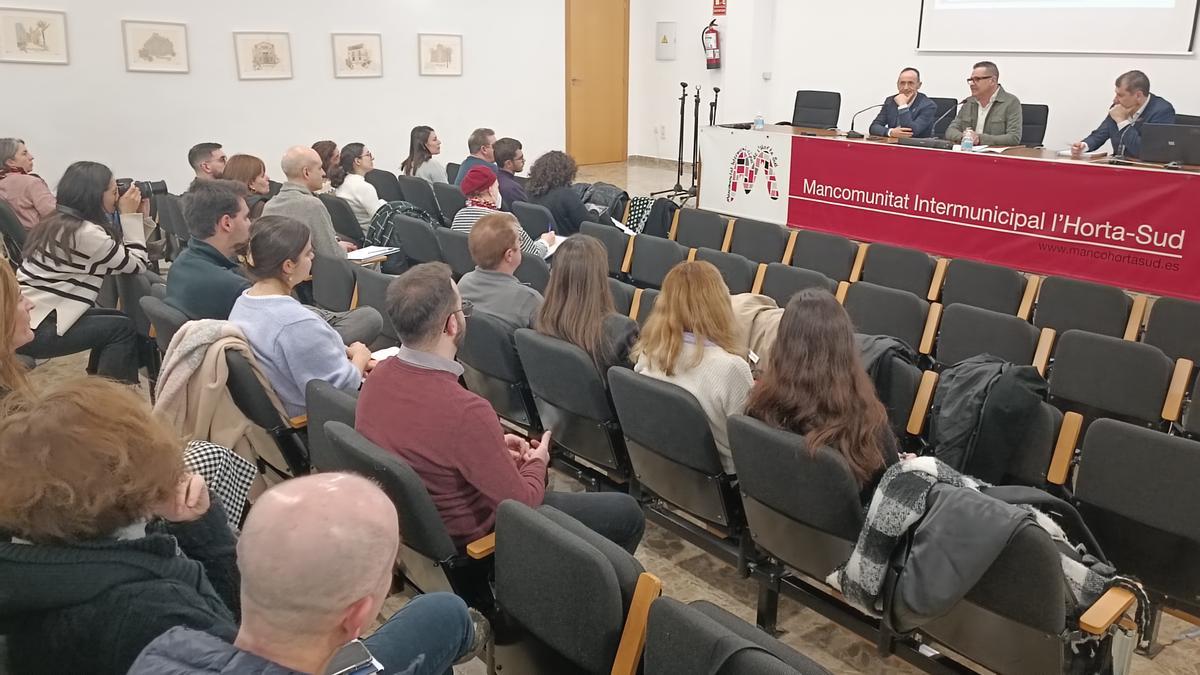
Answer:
(148, 187)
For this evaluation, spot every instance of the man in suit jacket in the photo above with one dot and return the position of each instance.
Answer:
(1132, 107)
(909, 113)
(991, 115)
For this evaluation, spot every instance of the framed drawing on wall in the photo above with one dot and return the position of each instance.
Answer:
(357, 55)
(155, 47)
(439, 54)
(263, 56)
(33, 36)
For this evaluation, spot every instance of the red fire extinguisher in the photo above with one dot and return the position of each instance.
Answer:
(711, 37)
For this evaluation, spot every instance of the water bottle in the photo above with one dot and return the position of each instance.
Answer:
(759, 122)
(968, 144)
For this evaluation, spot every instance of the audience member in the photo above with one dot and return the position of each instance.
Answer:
(330, 154)
(483, 198)
(15, 330)
(67, 257)
(579, 306)
(479, 144)
(413, 406)
(24, 191)
(292, 345)
(251, 172)
(207, 160)
(302, 168)
(351, 183)
(491, 286)
(550, 180)
(422, 162)
(316, 560)
(689, 342)
(815, 386)
(510, 158)
(112, 543)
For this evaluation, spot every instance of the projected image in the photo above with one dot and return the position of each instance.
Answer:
(1054, 4)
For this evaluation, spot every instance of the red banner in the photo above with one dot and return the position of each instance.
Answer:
(719, 7)
(1122, 227)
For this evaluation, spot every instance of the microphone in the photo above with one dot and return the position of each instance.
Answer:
(852, 133)
(1119, 158)
(943, 115)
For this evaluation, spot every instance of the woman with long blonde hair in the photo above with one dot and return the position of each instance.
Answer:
(689, 341)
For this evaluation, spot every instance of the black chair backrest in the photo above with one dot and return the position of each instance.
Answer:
(563, 375)
(170, 216)
(828, 254)
(131, 288)
(615, 242)
(372, 292)
(817, 109)
(1187, 120)
(450, 200)
(781, 282)
(344, 222)
(452, 171)
(14, 232)
(1174, 327)
(758, 240)
(326, 403)
(878, 310)
(993, 287)
(535, 219)
(385, 185)
(653, 257)
(1064, 304)
(455, 250)
(419, 242)
(533, 271)
(646, 306)
(665, 419)
(420, 523)
(333, 283)
(166, 320)
(897, 267)
(697, 228)
(488, 348)
(737, 272)
(1110, 376)
(943, 115)
(968, 331)
(419, 193)
(622, 294)
(254, 402)
(1034, 118)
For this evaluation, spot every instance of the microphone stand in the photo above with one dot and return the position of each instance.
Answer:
(691, 191)
(1119, 158)
(852, 133)
(712, 107)
(678, 189)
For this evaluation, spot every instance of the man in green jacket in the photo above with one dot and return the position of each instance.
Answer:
(991, 116)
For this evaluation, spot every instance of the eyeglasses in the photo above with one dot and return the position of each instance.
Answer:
(977, 80)
(467, 307)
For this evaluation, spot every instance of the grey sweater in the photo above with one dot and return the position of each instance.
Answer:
(295, 201)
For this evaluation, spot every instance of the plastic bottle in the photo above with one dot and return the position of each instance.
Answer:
(759, 122)
(968, 145)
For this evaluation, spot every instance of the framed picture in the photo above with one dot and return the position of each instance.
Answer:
(33, 36)
(155, 47)
(263, 56)
(439, 54)
(357, 55)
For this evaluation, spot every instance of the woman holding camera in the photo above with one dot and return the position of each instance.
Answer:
(94, 232)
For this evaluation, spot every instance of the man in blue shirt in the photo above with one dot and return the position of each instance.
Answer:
(511, 160)
(479, 144)
(908, 114)
(1132, 107)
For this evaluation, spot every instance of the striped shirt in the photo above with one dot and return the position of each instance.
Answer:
(465, 219)
(71, 286)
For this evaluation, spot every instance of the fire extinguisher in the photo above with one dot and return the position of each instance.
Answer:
(711, 37)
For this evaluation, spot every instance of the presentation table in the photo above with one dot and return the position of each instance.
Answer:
(1025, 208)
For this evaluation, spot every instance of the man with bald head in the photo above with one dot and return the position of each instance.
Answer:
(316, 557)
(302, 167)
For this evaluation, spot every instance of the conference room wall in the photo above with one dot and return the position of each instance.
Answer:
(857, 48)
(142, 124)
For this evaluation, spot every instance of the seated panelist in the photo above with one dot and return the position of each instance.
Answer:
(991, 115)
(909, 113)
(1132, 107)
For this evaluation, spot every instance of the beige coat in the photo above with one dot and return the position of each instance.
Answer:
(756, 320)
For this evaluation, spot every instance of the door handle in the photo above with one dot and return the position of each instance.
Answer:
(576, 80)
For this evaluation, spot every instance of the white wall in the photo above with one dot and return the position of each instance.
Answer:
(858, 48)
(142, 124)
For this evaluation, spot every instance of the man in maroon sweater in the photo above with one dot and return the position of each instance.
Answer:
(413, 405)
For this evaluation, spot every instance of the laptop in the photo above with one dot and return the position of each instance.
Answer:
(1170, 143)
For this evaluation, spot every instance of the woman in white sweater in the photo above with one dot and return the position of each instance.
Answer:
(351, 184)
(689, 341)
(94, 232)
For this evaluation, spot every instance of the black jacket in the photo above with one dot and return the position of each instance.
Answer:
(567, 208)
(92, 607)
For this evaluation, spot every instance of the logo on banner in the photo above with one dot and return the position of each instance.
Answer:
(750, 167)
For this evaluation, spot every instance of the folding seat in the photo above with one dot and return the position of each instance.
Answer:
(592, 620)
(131, 288)
(493, 370)
(452, 171)
(643, 305)
(878, 310)
(999, 289)
(168, 212)
(450, 200)
(616, 243)
(326, 403)
(333, 283)
(1065, 304)
(622, 294)
(344, 222)
(829, 254)
(455, 250)
(650, 258)
(905, 269)
(1174, 327)
(14, 233)
(428, 558)
(695, 228)
(572, 402)
(534, 272)
(417, 239)
(780, 282)
(535, 219)
(680, 639)
(968, 331)
(737, 271)
(385, 185)
(258, 404)
(165, 319)
(371, 291)
(420, 194)
(758, 240)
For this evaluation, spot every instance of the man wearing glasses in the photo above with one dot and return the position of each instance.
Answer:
(495, 246)
(479, 144)
(991, 116)
(908, 114)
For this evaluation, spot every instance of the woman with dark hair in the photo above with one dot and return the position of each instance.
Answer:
(251, 172)
(423, 146)
(329, 154)
(815, 386)
(67, 257)
(579, 307)
(550, 180)
(351, 184)
(291, 343)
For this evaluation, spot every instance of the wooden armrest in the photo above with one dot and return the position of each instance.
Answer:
(758, 278)
(674, 225)
(860, 259)
(1041, 355)
(152, 332)
(932, 321)
(920, 409)
(790, 248)
(625, 216)
(636, 305)
(482, 547)
(1105, 611)
(1182, 615)
(1179, 383)
(354, 297)
(842, 289)
(939, 277)
(633, 637)
(1136, 313)
(1032, 284)
(1064, 449)
(627, 263)
(691, 254)
(728, 235)
(299, 421)
(370, 261)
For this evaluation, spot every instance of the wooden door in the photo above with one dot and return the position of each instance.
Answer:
(597, 80)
